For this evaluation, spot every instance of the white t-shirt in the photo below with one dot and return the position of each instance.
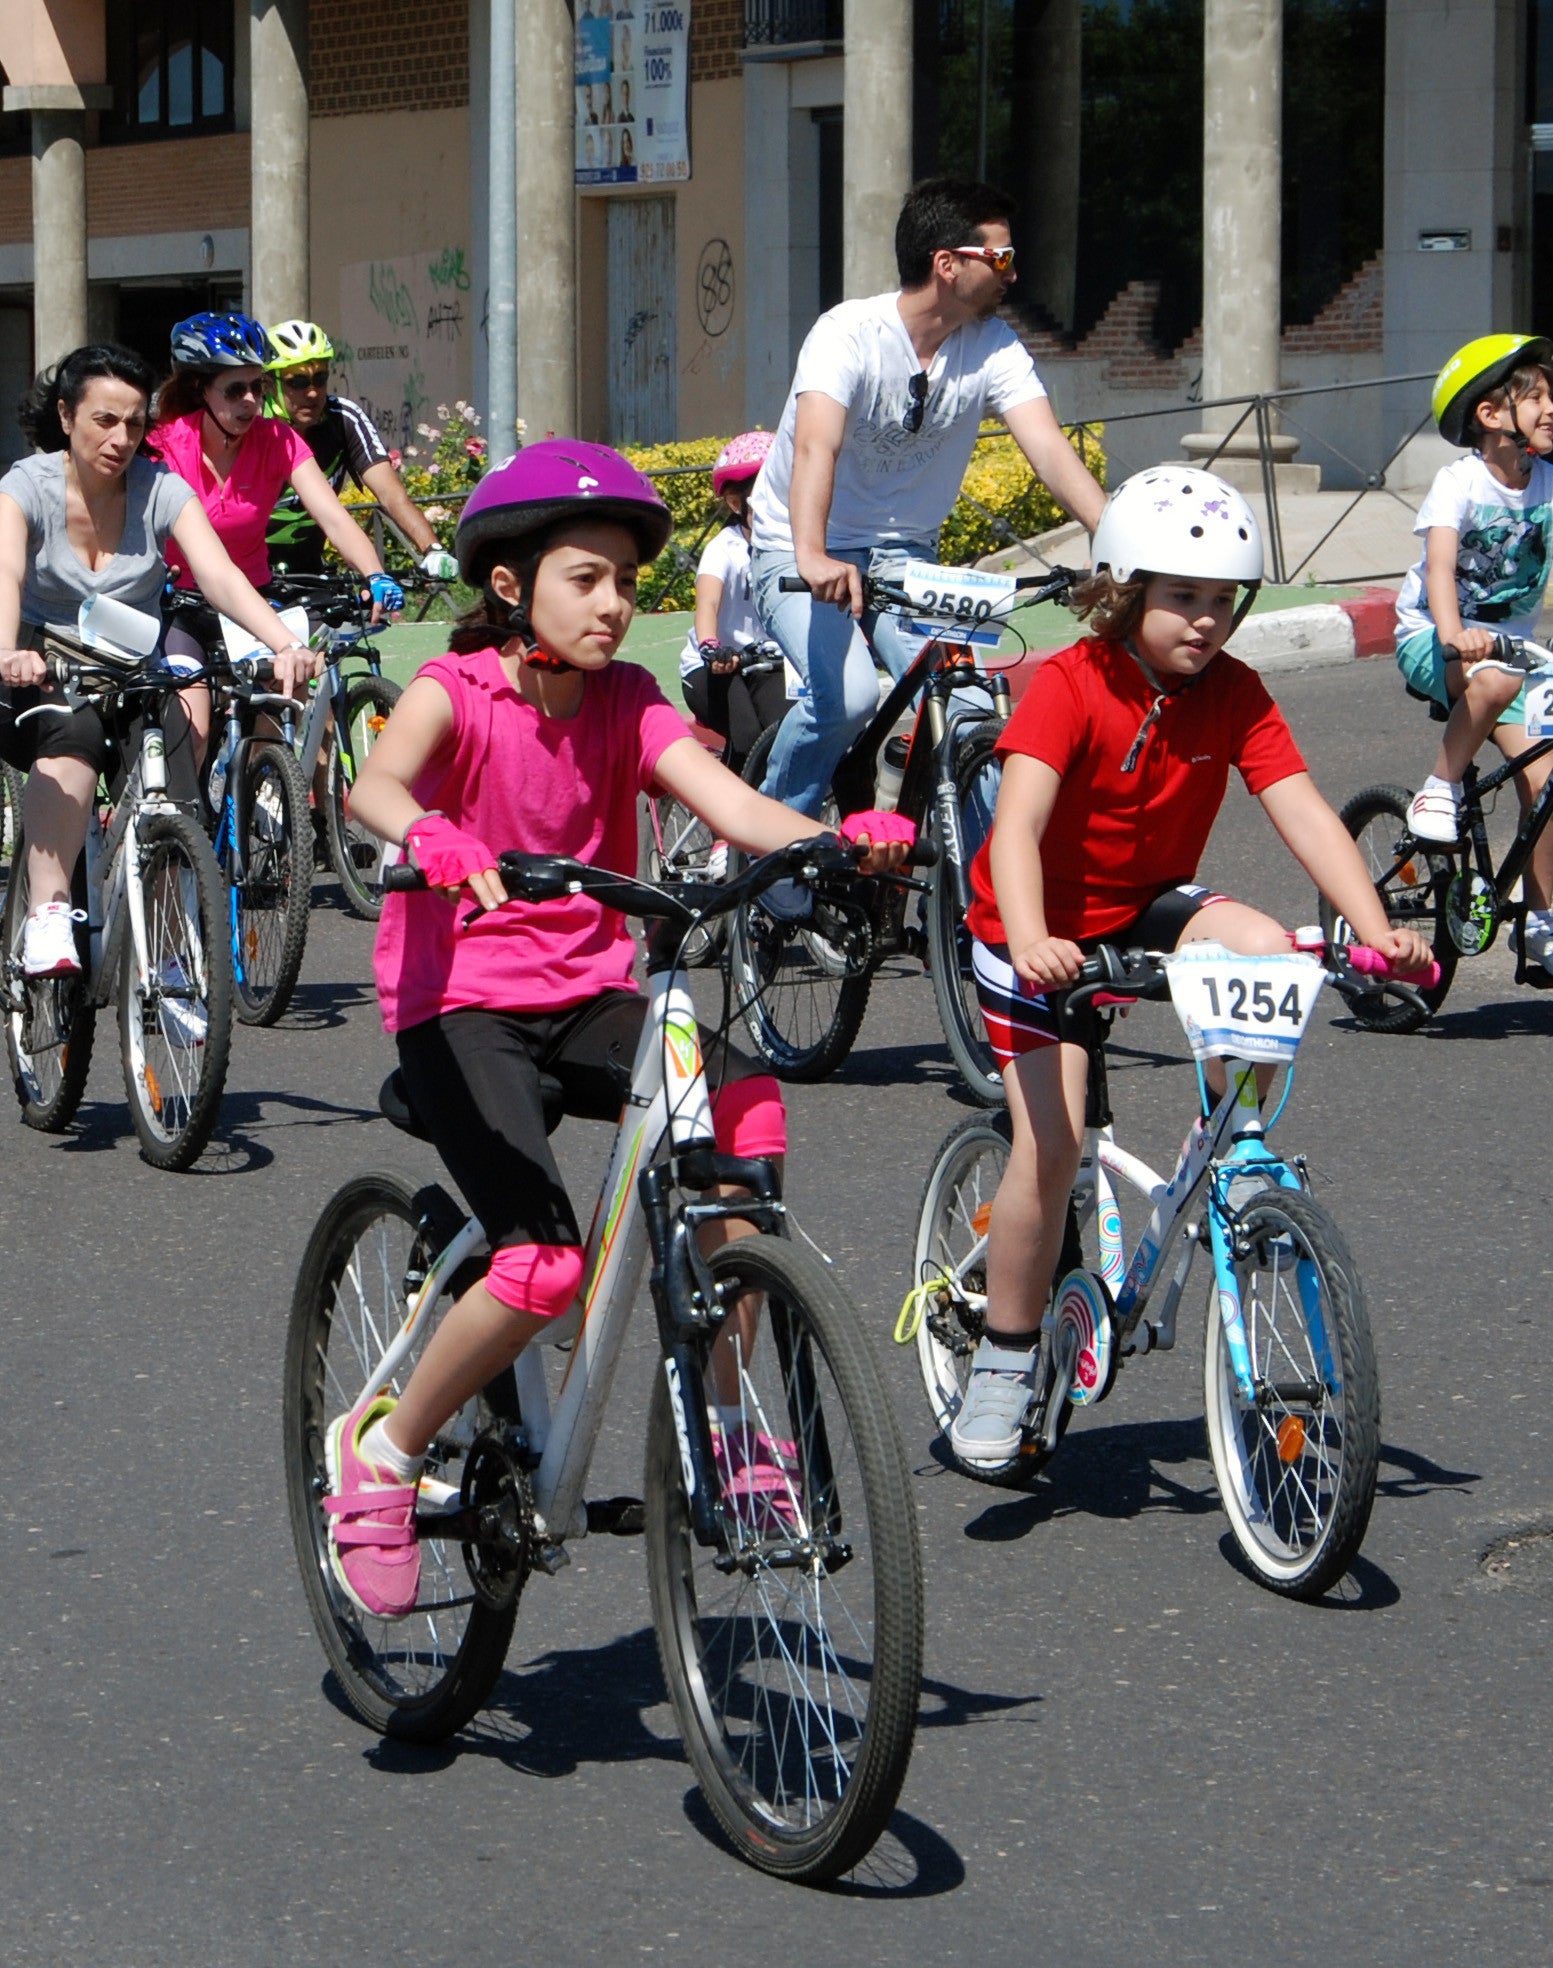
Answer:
(892, 485)
(727, 557)
(1506, 540)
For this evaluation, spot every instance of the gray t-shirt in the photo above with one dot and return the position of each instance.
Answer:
(58, 580)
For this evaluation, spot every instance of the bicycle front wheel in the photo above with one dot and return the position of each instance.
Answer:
(1411, 877)
(175, 1026)
(676, 846)
(50, 1022)
(422, 1677)
(802, 999)
(793, 1650)
(270, 905)
(1296, 1463)
(977, 775)
(355, 852)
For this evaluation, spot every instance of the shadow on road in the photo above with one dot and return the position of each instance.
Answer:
(910, 1862)
(1106, 1472)
(321, 1007)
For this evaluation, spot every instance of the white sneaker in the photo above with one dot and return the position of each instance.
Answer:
(1434, 812)
(185, 1021)
(1539, 938)
(48, 942)
(988, 1428)
(717, 862)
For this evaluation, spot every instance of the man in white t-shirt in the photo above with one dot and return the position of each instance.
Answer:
(886, 402)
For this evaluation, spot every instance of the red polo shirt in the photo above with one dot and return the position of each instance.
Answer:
(1116, 840)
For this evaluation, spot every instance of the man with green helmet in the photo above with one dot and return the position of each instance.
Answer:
(1488, 542)
(346, 445)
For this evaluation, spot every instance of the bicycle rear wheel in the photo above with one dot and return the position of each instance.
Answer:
(676, 846)
(50, 1022)
(794, 1655)
(977, 775)
(422, 1677)
(1411, 877)
(1296, 1467)
(355, 852)
(802, 999)
(270, 905)
(175, 1030)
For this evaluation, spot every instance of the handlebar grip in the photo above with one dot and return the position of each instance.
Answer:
(1371, 963)
(924, 854)
(403, 878)
(793, 584)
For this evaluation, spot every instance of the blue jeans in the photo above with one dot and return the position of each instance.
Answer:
(830, 651)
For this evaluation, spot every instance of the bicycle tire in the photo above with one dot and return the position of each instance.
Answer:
(674, 845)
(50, 1022)
(421, 1678)
(13, 787)
(1411, 877)
(1298, 1497)
(954, 987)
(951, 1222)
(270, 906)
(799, 1729)
(174, 1080)
(801, 1008)
(355, 852)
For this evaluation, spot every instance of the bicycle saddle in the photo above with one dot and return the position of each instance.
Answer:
(393, 1103)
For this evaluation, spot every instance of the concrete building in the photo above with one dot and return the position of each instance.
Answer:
(280, 154)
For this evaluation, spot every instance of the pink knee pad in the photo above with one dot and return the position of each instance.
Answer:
(748, 1117)
(538, 1278)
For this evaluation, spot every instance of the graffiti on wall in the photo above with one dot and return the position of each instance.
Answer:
(402, 345)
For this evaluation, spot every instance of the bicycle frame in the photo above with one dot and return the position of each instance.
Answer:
(1530, 831)
(668, 1104)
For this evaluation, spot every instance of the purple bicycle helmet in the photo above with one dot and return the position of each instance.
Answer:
(220, 341)
(557, 479)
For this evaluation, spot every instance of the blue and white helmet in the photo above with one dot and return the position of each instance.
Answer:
(220, 341)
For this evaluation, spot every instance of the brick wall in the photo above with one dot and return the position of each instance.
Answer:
(395, 54)
(1351, 322)
(188, 183)
(716, 36)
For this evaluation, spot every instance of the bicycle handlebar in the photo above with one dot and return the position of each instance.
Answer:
(546, 877)
(1355, 969)
(891, 596)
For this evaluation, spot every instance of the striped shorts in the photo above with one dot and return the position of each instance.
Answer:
(1020, 1019)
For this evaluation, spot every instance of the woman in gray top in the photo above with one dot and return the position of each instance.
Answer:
(88, 515)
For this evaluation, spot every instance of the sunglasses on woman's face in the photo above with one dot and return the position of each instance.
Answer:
(305, 379)
(915, 410)
(237, 389)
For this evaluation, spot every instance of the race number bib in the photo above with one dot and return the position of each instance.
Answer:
(1243, 1007)
(241, 647)
(963, 604)
(1539, 709)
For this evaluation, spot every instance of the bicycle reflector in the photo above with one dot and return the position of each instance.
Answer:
(1291, 1438)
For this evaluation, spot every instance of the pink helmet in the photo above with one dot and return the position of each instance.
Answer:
(740, 458)
(557, 479)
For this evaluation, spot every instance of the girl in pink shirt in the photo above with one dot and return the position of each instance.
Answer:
(210, 431)
(525, 737)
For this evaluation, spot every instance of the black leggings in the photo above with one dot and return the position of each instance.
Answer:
(737, 708)
(473, 1081)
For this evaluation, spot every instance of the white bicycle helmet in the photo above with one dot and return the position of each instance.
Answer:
(1174, 519)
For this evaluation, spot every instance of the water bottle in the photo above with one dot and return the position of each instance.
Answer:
(892, 763)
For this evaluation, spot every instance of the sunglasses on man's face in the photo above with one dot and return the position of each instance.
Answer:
(999, 258)
(917, 389)
(237, 389)
(305, 379)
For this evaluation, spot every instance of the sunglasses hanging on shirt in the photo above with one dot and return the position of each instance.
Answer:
(916, 409)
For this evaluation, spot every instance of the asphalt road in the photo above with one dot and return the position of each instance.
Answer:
(1127, 1750)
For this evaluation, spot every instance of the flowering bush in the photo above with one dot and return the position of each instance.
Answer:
(446, 464)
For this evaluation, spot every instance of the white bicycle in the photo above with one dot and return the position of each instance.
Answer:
(789, 1625)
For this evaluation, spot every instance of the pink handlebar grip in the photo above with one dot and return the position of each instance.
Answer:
(1370, 963)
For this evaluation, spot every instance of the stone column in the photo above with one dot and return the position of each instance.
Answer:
(278, 150)
(547, 220)
(58, 233)
(1242, 191)
(876, 168)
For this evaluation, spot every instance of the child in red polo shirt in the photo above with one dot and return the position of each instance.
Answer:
(1114, 769)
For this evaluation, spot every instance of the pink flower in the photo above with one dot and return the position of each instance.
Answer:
(475, 446)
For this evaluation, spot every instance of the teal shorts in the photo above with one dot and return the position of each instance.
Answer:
(1421, 659)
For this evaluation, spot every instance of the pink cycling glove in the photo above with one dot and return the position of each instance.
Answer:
(445, 854)
(881, 828)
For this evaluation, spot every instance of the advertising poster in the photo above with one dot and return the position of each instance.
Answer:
(632, 71)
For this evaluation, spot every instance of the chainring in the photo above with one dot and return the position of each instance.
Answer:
(496, 1492)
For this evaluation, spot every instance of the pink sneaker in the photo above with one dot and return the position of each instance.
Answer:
(759, 1477)
(372, 1547)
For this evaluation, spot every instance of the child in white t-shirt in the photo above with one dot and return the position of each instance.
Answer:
(1488, 532)
(711, 675)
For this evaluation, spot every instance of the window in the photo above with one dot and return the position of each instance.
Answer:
(171, 66)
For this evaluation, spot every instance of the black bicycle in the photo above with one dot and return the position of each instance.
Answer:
(804, 985)
(1452, 894)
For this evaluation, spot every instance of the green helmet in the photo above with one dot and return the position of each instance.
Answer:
(299, 341)
(1477, 371)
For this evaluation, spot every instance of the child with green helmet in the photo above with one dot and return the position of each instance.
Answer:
(1488, 533)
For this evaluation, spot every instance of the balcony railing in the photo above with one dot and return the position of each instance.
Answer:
(789, 23)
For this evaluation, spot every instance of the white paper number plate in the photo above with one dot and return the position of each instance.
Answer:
(241, 647)
(1243, 1007)
(972, 603)
(1539, 709)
